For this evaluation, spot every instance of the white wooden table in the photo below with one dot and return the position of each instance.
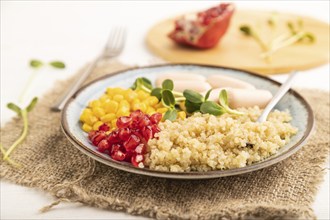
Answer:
(74, 32)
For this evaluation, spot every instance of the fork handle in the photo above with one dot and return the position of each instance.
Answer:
(60, 102)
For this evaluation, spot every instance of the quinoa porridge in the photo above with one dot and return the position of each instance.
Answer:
(206, 142)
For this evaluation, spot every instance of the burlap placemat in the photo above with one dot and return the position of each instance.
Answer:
(283, 191)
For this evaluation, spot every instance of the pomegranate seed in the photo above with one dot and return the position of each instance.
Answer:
(136, 115)
(103, 145)
(155, 118)
(128, 156)
(99, 136)
(104, 127)
(114, 137)
(147, 133)
(91, 134)
(136, 159)
(155, 129)
(132, 142)
(118, 155)
(144, 122)
(124, 133)
(140, 149)
(124, 122)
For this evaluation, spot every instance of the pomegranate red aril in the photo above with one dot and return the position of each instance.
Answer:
(140, 149)
(136, 115)
(144, 121)
(155, 129)
(128, 156)
(124, 122)
(104, 127)
(113, 137)
(132, 142)
(91, 134)
(99, 136)
(155, 118)
(137, 159)
(118, 155)
(103, 146)
(124, 133)
(147, 133)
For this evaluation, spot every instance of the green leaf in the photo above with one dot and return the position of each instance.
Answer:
(14, 108)
(32, 104)
(157, 92)
(36, 63)
(146, 82)
(141, 82)
(171, 115)
(223, 98)
(193, 96)
(168, 84)
(168, 98)
(57, 64)
(192, 107)
(212, 108)
(207, 95)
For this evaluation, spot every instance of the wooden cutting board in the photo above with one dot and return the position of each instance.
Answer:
(238, 51)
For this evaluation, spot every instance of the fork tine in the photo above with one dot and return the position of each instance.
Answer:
(123, 39)
(112, 38)
(116, 42)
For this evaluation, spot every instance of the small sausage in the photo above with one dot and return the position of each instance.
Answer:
(243, 97)
(179, 76)
(198, 86)
(220, 81)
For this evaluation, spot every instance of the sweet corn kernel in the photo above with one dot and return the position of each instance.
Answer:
(123, 111)
(124, 103)
(159, 105)
(94, 103)
(161, 110)
(86, 127)
(150, 110)
(85, 114)
(97, 125)
(118, 90)
(110, 92)
(111, 106)
(104, 98)
(118, 97)
(152, 100)
(130, 95)
(136, 100)
(91, 120)
(114, 123)
(182, 115)
(142, 95)
(108, 117)
(142, 106)
(98, 112)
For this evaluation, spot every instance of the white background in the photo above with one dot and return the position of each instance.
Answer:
(74, 32)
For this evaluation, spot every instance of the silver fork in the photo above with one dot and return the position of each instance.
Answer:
(113, 48)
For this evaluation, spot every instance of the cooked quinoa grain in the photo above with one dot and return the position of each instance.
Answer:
(205, 142)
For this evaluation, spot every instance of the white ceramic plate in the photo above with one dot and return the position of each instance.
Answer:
(300, 110)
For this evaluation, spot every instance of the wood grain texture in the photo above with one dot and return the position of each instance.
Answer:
(238, 51)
